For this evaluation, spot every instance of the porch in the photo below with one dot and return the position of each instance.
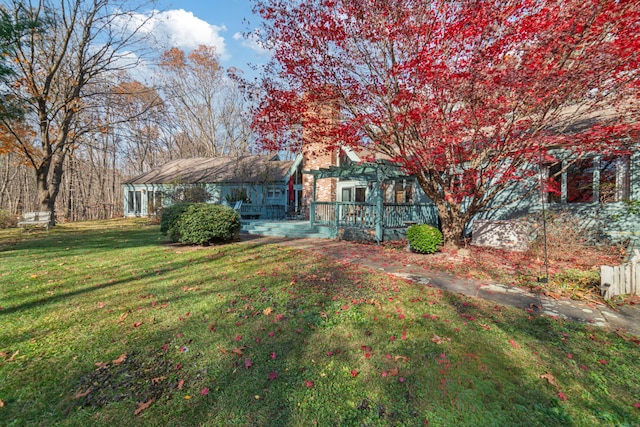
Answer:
(348, 221)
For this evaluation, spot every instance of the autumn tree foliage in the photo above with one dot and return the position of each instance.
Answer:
(462, 94)
(59, 64)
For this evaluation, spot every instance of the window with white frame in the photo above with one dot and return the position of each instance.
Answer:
(603, 179)
(273, 192)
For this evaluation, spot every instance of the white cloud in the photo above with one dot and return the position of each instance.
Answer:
(182, 29)
(252, 41)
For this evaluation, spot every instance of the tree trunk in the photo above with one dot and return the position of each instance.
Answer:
(452, 223)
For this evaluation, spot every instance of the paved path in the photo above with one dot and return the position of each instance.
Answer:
(625, 319)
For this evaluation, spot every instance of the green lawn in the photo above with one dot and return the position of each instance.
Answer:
(103, 323)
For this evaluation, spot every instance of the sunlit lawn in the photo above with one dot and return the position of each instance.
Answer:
(102, 323)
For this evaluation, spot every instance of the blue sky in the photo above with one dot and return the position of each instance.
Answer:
(221, 23)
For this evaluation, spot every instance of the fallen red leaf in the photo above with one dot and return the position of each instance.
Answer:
(180, 384)
(308, 383)
(354, 373)
(562, 396)
(248, 363)
(204, 391)
(272, 375)
(135, 325)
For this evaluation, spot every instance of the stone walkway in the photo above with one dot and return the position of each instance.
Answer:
(625, 319)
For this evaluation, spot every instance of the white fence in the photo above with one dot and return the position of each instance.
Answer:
(622, 279)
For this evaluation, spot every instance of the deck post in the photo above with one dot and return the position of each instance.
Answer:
(379, 207)
(312, 206)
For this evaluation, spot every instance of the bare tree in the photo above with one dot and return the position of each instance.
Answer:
(59, 63)
(207, 104)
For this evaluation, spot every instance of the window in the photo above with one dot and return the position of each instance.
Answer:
(134, 202)
(580, 181)
(273, 192)
(154, 201)
(346, 194)
(360, 194)
(403, 191)
(614, 179)
(604, 179)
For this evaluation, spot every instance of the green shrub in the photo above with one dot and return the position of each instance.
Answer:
(205, 223)
(169, 220)
(7, 219)
(424, 238)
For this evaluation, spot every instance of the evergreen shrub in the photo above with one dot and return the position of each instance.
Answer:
(424, 238)
(204, 223)
(170, 218)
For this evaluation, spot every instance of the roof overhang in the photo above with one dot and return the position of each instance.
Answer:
(379, 171)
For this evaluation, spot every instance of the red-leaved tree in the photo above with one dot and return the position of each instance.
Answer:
(465, 95)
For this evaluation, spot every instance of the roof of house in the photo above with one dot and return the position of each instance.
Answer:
(228, 170)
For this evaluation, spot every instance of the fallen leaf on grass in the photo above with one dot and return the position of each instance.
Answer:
(273, 375)
(238, 351)
(124, 316)
(204, 391)
(439, 340)
(81, 394)
(401, 358)
(212, 327)
(267, 311)
(637, 405)
(562, 396)
(2, 403)
(101, 364)
(142, 406)
(157, 380)
(180, 384)
(248, 363)
(120, 359)
(135, 325)
(550, 378)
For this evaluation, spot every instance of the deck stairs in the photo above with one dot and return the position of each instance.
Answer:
(293, 229)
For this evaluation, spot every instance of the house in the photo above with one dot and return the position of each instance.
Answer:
(601, 191)
(264, 183)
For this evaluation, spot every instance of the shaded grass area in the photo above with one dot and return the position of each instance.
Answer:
(105, 324)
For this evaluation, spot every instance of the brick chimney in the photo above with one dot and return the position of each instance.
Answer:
(317, 152)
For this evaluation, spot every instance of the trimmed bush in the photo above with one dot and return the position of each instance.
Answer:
(169, 220)
(424, 238)
(7, 219)
(205, 223)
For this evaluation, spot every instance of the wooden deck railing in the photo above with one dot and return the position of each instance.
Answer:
(363, 215)
(254, 210)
